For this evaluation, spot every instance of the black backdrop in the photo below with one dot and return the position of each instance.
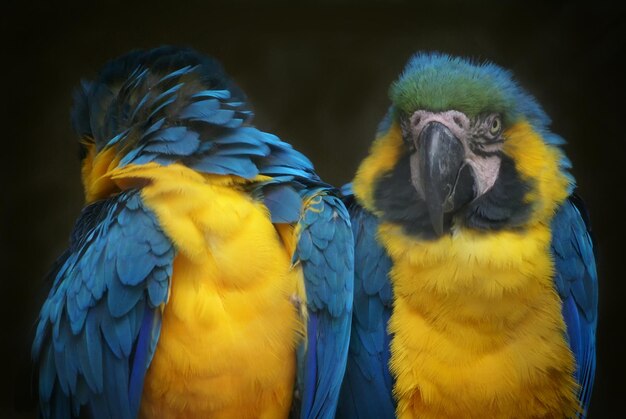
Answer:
(317, 74)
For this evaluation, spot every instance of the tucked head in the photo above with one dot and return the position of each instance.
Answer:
(143, 86)
(463, 145)
(173, 105)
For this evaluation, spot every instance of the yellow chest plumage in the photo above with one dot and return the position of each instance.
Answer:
(477, 327)
(229, 331)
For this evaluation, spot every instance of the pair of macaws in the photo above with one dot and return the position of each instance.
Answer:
(213, 274)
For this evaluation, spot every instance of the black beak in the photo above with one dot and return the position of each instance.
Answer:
(445, 180)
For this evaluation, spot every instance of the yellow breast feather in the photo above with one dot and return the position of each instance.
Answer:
(475, 331)
(229, 332)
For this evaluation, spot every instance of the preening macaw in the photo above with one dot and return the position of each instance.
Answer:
(210, 273)
(475, 279)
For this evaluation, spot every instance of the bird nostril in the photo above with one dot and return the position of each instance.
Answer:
(458, 121)
(416, 121)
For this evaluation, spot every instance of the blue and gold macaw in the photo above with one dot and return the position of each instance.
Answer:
(475, 280)
(210, 273)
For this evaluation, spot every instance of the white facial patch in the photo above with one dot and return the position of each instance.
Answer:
(485, 167)
(486, 171)
(457, 122)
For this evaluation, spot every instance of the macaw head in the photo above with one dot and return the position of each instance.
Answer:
(462, 146)
(161, 106)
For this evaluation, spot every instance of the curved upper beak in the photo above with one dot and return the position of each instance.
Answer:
(439, 171)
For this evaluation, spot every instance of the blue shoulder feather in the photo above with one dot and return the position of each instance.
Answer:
(98, 328)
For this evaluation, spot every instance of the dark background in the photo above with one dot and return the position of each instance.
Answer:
(317, 74)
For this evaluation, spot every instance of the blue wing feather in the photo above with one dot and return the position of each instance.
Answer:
(144, 350)
(98, 328)
(576, 282)
(325, 250)
(368, 384)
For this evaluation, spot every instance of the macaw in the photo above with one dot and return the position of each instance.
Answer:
(210, 273)
(475, 279)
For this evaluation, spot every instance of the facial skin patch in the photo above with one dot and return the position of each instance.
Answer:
(481, 151)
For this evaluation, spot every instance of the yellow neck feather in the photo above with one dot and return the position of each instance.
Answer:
(102, 177)
(384, 155)
(95, 173)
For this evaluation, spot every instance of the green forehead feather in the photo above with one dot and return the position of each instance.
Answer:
(438, 82)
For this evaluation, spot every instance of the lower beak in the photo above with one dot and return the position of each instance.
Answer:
(442, 175)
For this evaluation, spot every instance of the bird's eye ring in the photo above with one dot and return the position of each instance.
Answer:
(495, 126)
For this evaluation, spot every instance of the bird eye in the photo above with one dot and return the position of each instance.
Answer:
(495, 126)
